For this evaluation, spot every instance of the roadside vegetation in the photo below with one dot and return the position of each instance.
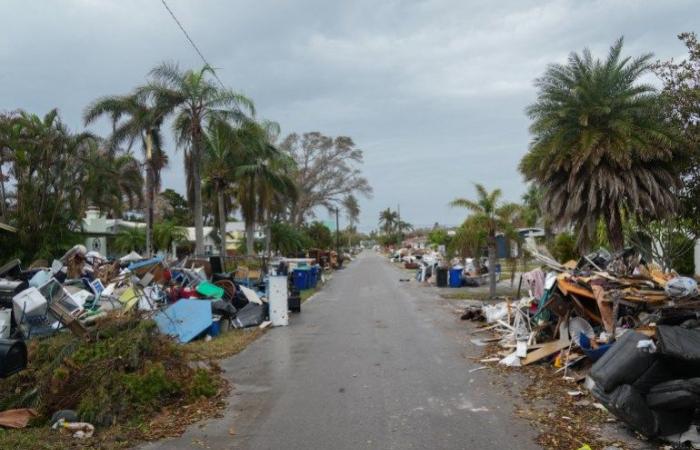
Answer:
(233, 162)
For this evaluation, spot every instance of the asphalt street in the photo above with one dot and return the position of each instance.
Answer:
(370, 363)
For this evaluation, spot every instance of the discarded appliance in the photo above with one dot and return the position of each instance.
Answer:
(251, 315)
(277, 299)
(13, 357)
(185, 319)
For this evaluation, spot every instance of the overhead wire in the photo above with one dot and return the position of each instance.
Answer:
(191, 41)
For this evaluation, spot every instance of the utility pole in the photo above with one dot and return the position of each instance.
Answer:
(337, 232)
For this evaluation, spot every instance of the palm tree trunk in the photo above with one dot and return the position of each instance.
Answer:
(268, 234)
(222, 223)
(149, 194)
(198, 213)
(250, 237)
(2, 188)
(615, 233)
(492, 264)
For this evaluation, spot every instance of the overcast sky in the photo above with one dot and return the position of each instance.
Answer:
(433, 91)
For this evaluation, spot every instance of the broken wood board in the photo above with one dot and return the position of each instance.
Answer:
(479, 330)
(545, 351)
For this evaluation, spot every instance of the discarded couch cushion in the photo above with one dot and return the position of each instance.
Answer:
(624, 363)
(679, 343)
(672, 422)
(223, 308)
(250, 315)
(675, 394)
(628, 404)
(659, 372)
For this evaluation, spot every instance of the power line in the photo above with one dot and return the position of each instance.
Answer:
(187, 35)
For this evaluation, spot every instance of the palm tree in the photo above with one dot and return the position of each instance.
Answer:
(352, 212)
(600, 148)
(134, 117)
(130, 239)
(195, 100)
(167, 233)
(388, 220)
(111, 179)
(488, 211)
(219, 156)
(264, 177)
(402, 225)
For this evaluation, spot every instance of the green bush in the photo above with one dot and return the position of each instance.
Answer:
(203, 384)
(564, 248)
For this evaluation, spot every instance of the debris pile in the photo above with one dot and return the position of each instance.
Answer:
(620, 323)
(186, 299)
(114, 326)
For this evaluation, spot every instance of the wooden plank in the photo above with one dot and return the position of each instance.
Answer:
(583, 310)
(547, 349)
(571, 288)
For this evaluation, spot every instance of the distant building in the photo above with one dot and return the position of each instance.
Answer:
(98, 228)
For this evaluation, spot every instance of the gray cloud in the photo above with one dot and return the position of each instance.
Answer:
(433, 91)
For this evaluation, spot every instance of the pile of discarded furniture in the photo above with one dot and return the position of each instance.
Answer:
(186, 299)
(615, 321)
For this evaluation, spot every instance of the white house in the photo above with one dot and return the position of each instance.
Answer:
(98, 227)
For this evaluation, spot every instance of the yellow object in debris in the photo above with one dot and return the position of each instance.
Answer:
(558, 363)
(129, 298)
(585, 447)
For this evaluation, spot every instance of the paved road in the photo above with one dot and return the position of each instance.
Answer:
(370, 363)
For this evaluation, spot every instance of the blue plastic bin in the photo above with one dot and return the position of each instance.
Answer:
(316, 270)
(456, 277)
(301, 279)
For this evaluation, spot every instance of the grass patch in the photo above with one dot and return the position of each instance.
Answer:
(225, 345)
(307, 293)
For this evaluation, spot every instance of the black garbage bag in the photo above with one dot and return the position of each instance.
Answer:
(623, 363)
(675, 394)
(251, 315)
(239, 300)
(679, 343)
(223, 309)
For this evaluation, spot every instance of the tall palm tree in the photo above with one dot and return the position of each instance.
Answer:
(135, 117)
(600, 147)
(352, 210)
(195, 100)
(488, 210)
(219, 170)
(388, 220)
